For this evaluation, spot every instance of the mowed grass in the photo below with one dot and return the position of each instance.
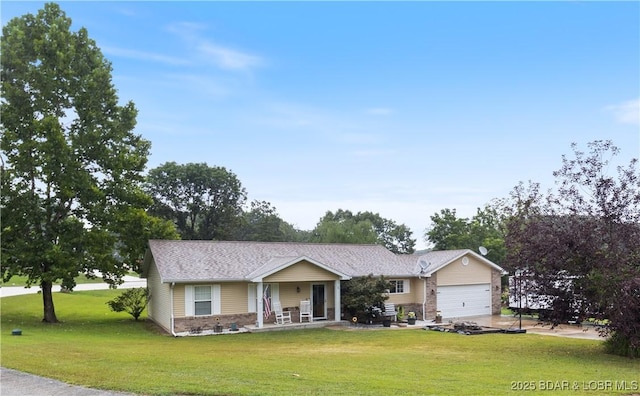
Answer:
(98, 348)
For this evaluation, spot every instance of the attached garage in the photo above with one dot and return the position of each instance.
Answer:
(462, 283)
(464, 300)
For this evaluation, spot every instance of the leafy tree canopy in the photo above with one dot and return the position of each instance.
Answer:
(486, 228)
(204, 202)
(262, 223)
(71, 197)
(363, 227)
(586, 232)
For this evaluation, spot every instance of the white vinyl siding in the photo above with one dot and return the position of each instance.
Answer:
(201, 300)
(159, 308)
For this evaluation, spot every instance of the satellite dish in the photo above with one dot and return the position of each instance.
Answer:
(483, 250)
(423, 265)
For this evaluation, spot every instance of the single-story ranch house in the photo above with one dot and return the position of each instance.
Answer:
(201, 283)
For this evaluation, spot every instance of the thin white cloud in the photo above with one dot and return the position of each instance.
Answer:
(374, 153)
(379, 111)
(626, 112)
(126, 11)
(360, 138)
(144, 56)
(228, 58)
(224, 57)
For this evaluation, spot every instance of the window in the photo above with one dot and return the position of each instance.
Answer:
(202, 300)
(399, 286)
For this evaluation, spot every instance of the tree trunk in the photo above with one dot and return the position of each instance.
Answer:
(47, 299)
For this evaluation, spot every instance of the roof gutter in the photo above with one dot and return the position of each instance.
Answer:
(216, 280)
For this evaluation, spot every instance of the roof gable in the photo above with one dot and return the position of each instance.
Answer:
(278, 264)
(431, 262)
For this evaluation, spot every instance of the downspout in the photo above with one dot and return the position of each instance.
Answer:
(424, 300)
(173, 332)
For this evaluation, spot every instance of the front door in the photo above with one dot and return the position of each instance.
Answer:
(319, 301)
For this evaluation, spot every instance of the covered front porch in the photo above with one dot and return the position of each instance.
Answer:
(291, 280)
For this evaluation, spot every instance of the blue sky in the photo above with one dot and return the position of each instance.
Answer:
(400, 108)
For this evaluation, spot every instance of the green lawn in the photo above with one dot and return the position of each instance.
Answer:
(102, 349)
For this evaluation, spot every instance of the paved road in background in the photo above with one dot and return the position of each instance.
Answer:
(129, 283)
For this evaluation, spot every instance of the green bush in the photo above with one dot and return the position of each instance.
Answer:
(131, 301)
(360, 294)
(621, 346)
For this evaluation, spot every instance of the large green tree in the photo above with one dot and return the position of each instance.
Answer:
(205, 202)
(363, 227)
(486, 228)
(72, 166)
(262, 223)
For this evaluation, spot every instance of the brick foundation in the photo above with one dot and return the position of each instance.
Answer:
(208, 322)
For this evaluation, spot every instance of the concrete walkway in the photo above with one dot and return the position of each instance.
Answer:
(17, 383)
(129, 283)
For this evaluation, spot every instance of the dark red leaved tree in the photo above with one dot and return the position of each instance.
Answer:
(580, 245)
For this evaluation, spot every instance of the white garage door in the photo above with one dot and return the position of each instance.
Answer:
(464, 300)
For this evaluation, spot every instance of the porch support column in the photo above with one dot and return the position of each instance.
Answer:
(260, 304)
(336, 293)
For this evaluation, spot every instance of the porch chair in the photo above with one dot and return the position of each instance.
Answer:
(282, 317)
(305, 311)
(390, 311)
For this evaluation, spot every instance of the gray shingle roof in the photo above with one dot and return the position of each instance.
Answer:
(182, 261)
(437, 259)
(201, 261)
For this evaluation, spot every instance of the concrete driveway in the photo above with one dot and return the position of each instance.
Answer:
(534, 327)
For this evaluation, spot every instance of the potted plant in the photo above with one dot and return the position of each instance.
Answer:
(400, 317)
(218, 327)
(411, 318)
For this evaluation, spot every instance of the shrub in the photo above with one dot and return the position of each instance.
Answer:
(131, 301)
(621, 346)
(363, 296)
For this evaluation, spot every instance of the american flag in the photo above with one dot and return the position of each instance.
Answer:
(267, 306)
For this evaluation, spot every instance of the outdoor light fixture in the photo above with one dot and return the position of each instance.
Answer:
(298, 289)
